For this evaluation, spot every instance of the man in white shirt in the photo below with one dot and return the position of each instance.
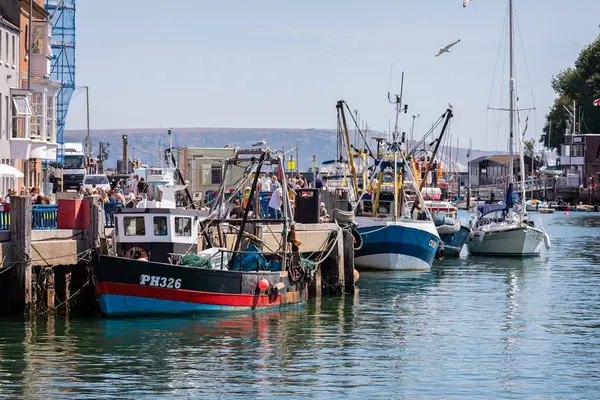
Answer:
(133, 185)
(265, 184)
(276, 202)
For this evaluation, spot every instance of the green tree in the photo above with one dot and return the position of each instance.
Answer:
(529, 147)
(579, 83)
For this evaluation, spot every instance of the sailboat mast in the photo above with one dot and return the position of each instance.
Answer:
(511, 91)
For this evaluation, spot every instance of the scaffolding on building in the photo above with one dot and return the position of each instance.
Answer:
(62, 14)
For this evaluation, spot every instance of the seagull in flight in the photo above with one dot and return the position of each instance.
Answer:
(446, 49)
(466, 2)
(260, 143)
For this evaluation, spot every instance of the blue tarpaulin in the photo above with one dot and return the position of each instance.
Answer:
(251, 260)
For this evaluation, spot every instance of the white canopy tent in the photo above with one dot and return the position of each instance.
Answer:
(7, 176)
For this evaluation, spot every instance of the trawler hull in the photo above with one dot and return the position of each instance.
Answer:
(404, 245)
(132, 287)
(518, 241)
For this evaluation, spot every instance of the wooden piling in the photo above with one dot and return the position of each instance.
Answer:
(16, 274)
(96, 230)
(348, 243)
(340, 258)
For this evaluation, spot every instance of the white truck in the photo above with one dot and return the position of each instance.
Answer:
(74, 166)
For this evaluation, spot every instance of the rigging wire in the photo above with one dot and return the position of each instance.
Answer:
(502, 40)
(358, 128)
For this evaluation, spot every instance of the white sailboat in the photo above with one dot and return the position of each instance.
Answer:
(499, 229)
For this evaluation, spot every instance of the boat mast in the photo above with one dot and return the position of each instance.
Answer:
(511, 91)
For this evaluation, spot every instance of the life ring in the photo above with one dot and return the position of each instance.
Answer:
(131, 253)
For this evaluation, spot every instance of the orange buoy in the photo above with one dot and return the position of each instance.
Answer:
(263, 284)
(356, 275)
(566, 213)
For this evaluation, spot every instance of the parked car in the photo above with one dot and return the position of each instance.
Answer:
(100, 180)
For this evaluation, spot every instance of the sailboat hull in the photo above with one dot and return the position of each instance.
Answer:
(518, 241)
(404, 245)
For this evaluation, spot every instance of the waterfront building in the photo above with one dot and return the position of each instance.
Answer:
(580, 158)
(493, 170)
(33, 135)
(9, 80)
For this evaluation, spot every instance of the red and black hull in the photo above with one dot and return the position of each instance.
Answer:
(132, 287)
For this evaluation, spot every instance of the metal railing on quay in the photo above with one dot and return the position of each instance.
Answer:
(43, 216)
(4, 220)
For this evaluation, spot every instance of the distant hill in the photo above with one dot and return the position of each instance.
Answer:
(145, 144)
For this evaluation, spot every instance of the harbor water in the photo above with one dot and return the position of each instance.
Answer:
(471, 328)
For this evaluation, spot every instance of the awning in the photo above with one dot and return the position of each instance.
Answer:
(6, 171)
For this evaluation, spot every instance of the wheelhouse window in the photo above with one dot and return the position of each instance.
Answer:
(160, 226)
(134, 226)
(183, 226)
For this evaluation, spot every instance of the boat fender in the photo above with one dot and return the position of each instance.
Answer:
(547, 241)
(278, 287)
(263, 284)
(358, 240)
(439, 254)
(356, 275)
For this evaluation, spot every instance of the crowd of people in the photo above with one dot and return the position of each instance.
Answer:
(269, 183)
(34, 193)
(126, 194)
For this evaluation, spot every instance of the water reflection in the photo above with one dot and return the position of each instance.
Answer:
(473, 327)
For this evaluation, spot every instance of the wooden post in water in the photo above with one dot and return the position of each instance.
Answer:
(348, 244)
(340, 259)
(96, 230)
(15, 280)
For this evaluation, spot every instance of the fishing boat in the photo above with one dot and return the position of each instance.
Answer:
(461, 204)
(532, 205)
(500, 229)
(159, 267)
(391, 242)
(394, 237)
(453, 232)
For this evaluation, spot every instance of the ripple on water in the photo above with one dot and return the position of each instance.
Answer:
(473, 327)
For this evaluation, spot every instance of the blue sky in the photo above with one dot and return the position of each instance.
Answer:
(284, 64)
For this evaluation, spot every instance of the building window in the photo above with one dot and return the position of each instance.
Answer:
(39, 39)
(134, 226)
(50, 112)
(7, 106)
(216, 174)
(21, 111)
(160, 226)
(37, 107)
(578, 150)
(6, 59)
(183, 226)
